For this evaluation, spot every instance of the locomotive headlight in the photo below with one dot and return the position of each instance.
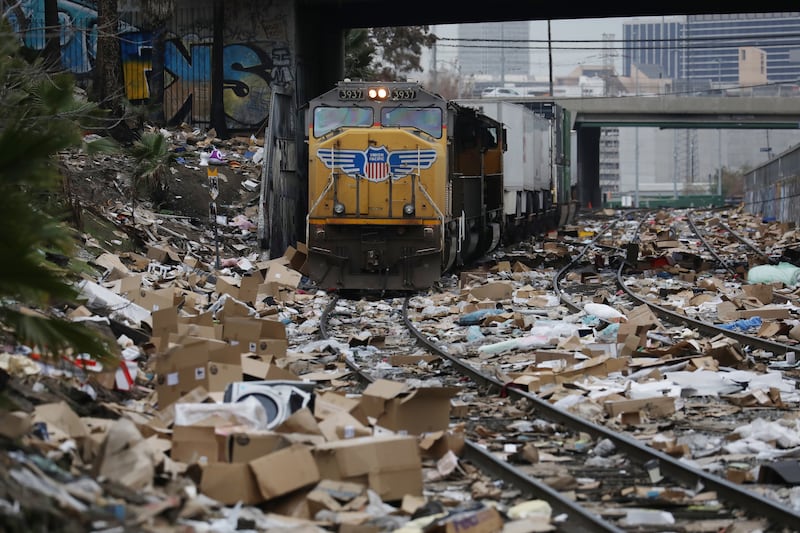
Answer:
(338, 208)
(408, 210)
(377, 93)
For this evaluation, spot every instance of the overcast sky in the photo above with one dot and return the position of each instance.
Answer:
(564, 61)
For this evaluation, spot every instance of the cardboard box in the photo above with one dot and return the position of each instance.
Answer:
(596, 366)
(390, 465)
(197, 444)
(282, 275)
(297, 257)
(14, 424)
(398, 407)
(484, 520)
(163, 254)
(196, 363)
(329, 403)
(497, 290)
(230, 483)
(656, 406)
(285, 470)
(262, 336)
(766, 312)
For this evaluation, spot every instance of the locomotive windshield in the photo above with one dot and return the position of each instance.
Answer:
(327, 119)
(427, 119)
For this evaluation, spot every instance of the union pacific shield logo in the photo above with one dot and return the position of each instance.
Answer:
(377, 164)
(377, 168)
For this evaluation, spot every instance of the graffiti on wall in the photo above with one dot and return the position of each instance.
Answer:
(250, 70)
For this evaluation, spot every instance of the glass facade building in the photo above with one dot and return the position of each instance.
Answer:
(705, 50)
(499, 50)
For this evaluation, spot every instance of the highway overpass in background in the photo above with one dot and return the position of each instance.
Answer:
(589, 114)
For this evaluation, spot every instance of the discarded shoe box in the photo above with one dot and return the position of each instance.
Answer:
(398, 407)
(390, 465)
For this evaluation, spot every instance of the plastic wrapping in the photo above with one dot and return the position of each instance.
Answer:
(786, 273)
(248, 412)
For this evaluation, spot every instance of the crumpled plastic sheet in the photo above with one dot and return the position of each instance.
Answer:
(249, 412)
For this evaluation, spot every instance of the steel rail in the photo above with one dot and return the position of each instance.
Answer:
(578, 518)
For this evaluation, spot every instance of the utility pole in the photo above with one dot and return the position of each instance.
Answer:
(502, 54)
(636, 142)
(550, 56)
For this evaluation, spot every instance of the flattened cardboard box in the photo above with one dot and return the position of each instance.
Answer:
(390, 465)
(656, 406)
(397, 407)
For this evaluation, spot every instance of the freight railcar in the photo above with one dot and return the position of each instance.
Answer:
(403, 185)
(529, 172)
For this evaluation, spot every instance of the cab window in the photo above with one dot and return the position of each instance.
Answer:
(327, 119)
(427, 119)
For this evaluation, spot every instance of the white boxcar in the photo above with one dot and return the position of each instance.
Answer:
(527, 164)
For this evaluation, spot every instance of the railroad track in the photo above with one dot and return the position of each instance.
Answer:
(599, 463)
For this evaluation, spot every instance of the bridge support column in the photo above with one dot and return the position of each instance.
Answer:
(589, 167)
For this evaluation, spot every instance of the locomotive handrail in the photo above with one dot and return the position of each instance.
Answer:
(319, 200)
(435, 208)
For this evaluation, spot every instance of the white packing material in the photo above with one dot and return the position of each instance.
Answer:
(248, 412)
(97, 296)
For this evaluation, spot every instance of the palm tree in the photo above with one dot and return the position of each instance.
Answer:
(39, 116)
(151, 172)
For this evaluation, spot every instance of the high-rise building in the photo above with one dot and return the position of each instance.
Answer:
(497, 51)
(654, 41)
(713, 51)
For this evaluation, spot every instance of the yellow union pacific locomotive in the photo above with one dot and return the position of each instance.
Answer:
(402, 185)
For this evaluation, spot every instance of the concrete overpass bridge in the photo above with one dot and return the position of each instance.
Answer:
(590, 114)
